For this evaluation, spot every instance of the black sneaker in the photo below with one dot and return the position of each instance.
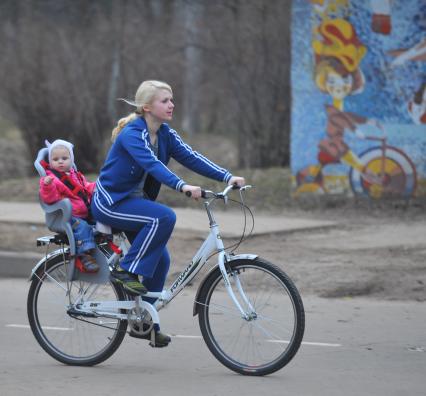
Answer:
(161, 339)
(129, 281)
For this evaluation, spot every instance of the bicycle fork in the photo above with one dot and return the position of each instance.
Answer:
(247, 314)
(250, 313)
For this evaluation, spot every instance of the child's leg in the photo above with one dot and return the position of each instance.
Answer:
(83, 234)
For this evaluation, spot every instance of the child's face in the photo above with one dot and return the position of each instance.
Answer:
(60, 159)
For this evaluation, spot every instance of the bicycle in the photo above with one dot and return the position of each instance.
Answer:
(250, 313)
(387, 172)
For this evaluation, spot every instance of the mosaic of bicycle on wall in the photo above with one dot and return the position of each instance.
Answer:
(359, 97)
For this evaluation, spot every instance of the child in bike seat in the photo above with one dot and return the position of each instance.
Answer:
(62, 180)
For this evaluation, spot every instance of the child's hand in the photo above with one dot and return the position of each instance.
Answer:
(47, 180)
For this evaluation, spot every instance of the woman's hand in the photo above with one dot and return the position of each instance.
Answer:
(194, 190)
(239, 181)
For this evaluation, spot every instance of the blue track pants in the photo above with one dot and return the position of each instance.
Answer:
(148, 226)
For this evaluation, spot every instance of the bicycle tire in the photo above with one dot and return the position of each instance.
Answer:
(70, 340)
(252, 347)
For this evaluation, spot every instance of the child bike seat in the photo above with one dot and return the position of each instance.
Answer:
(58, 219)
(57, 215)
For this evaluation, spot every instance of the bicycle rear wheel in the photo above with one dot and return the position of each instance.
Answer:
(269, 339)
(72, 340)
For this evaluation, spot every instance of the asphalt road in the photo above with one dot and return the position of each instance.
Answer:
(351, 347)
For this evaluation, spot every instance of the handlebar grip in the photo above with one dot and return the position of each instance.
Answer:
(189, 194)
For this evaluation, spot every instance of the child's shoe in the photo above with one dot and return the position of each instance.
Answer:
(86, 263)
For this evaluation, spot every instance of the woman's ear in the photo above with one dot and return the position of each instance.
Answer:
(146, 108)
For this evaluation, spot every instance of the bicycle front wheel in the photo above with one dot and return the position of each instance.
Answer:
(269, 336)
(71, 339)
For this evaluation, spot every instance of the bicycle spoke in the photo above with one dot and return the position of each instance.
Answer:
(69, 339)
(254, 345)
(224, 309)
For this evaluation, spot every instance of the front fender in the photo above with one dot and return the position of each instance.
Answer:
(216, 269)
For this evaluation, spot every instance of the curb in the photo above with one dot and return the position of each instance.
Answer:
(18, 264)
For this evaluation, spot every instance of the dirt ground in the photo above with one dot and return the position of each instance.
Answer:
(379, 254)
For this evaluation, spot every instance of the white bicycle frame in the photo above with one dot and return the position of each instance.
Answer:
(212, 244)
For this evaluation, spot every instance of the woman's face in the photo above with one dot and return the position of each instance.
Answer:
(162, 106)
(338, 86)
(60, 159)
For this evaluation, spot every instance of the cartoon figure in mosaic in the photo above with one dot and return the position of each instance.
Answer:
(338, 54)
(417, 106)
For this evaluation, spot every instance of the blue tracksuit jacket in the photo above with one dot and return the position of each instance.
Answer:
(130, 157)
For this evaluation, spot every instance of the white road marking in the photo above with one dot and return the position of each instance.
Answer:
(322, 344)
(20, 326)
(326, 344)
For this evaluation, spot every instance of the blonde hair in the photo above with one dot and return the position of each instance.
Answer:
(144, 95)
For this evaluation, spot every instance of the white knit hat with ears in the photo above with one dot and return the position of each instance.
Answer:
(60, 143)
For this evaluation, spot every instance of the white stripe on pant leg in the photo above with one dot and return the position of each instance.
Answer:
(121, 216)
(137, 218)
(149, 237)
(142, 249)
(144, 246)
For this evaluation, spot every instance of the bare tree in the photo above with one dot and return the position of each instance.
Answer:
(193, 23)
(67, 61)
(256, 59)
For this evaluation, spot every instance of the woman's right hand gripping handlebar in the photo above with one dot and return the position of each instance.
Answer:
(192, 191)
(196, 192)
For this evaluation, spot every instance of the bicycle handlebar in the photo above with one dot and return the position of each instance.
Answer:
(211, 194)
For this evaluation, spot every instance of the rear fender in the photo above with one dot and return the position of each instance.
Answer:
(47, 258)
(102, 276)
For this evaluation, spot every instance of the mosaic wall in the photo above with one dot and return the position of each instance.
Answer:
(359, 97)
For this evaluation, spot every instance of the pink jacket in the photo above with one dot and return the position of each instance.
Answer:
(57, 190)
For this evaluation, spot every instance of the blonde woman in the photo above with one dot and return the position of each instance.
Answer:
(130, 180)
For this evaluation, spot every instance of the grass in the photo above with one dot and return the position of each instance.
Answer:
(272, 190)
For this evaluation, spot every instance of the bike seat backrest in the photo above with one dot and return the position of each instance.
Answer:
(58, 215)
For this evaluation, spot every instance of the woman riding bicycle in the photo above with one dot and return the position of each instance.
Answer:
(130, 180)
